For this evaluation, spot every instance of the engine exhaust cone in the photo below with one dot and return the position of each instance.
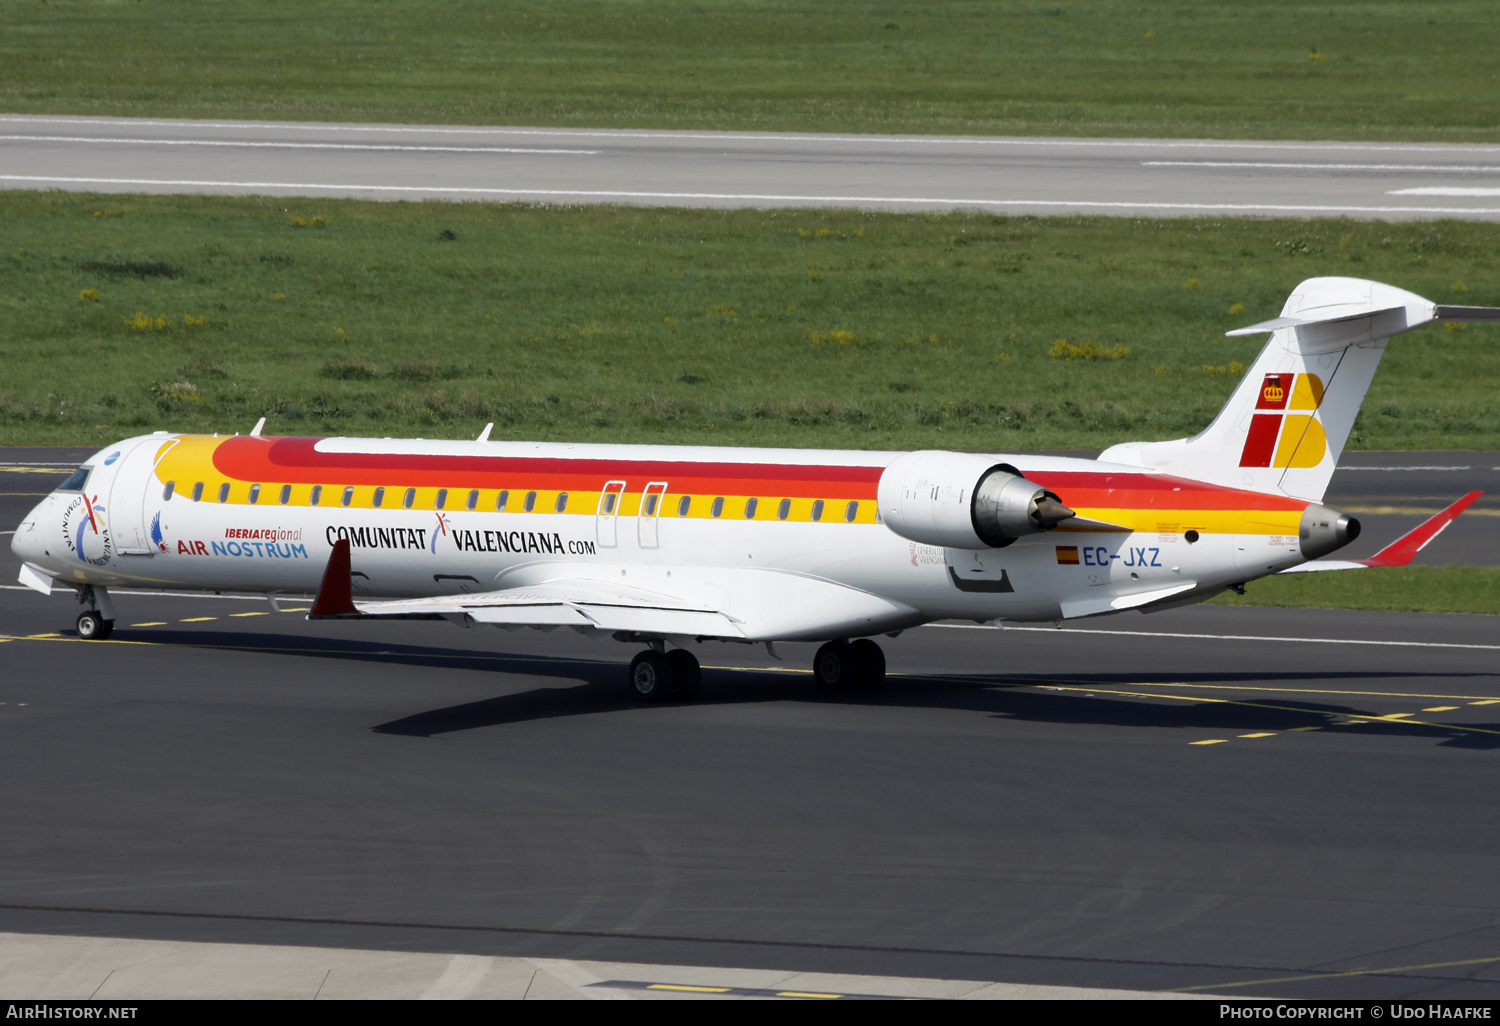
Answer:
(1050, 512)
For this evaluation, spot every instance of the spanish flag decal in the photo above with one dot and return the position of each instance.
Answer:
(1067, 555)
(1281, 439)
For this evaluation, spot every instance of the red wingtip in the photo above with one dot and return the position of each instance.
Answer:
(1405, 548)
(336, 596)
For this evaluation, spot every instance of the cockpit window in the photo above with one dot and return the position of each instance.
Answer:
(76, 480)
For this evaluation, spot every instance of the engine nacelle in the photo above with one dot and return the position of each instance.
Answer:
(963, 501)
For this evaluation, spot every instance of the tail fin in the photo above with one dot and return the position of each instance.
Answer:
(1284, 427)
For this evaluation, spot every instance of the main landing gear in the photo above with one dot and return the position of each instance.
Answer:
(849, 666)
(659, 676)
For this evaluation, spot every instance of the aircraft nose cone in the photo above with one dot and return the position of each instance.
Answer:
(27, 542)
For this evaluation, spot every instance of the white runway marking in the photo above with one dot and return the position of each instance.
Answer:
(1320, 167)
(626, 133)
(378, 147)
(1216, 637)
(1385, 469)
(756, 197)
(1443, 190)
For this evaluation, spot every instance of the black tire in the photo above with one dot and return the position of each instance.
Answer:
(109, 628)
(687, 675)
(871, 663)
(834, 667)
(651, 677)
(91, 626)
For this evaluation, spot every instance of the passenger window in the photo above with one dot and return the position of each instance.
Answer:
(166, 493)
(409, 498)
(784, 510)
(609, 502)
(651, 505)
(198, 491)
(683, 504)
(717, 509)
(76, 480)
(502, 500)
(851, 512)
(379, 497)
(224, 492)
(442, 499)
(286, 494)
(317, 494)
(530, 501)
(254, 494)
(818, 510)
(750, 508)
(348, 495)
(562, 501)
(473, 500)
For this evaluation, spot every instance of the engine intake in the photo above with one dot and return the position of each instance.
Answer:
(964, 501)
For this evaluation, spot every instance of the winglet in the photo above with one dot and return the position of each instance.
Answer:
(255, 431)
(484, 436)
(1401, 551)
(336, 596)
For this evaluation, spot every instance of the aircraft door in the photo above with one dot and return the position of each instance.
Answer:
(651, 503)
(134, 496)
(606, 519)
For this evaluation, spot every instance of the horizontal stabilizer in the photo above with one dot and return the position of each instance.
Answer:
(1468, 313)
(1399, 552)
(1322, 315)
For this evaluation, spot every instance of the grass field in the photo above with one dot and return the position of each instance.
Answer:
(1424, 589)
(802, 328)
(1348, 69)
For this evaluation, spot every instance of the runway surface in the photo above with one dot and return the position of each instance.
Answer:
(736, 169)
(1225, 800)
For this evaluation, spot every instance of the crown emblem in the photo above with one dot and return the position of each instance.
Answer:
(1273, 393)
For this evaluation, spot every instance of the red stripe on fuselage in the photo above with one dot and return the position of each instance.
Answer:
(297, 461)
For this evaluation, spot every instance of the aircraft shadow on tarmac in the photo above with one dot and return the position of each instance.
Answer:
(597, 687)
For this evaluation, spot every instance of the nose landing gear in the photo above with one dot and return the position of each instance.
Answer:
(93, 627)
(98, 621)
(846, 666)
(657, 676)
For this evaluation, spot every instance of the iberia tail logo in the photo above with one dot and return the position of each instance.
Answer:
(1279, 438)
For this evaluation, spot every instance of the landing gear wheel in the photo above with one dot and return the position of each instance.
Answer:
(651, 677)
(686, 674)
(93, 627)
(835, 667)
(871, 663)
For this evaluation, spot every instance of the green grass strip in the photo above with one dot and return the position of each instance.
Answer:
(1420, 589)
(122, 314)
(1346, 69)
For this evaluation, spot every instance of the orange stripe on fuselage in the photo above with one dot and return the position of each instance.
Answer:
(1104, 490)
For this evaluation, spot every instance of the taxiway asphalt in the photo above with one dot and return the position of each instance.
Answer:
(1225, 800)
(1127, 177)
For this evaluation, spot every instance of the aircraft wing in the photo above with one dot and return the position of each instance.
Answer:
(1399, 552)
(576, 603)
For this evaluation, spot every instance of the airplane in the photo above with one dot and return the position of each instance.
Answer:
(669, 546)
